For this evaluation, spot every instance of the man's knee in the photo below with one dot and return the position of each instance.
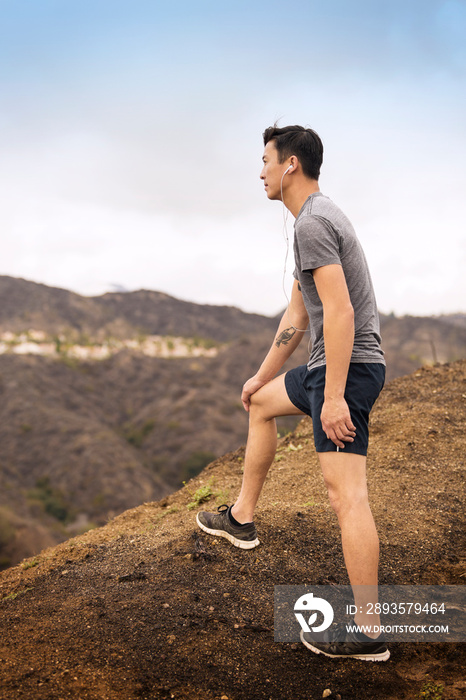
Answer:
(345, 478)
(259, 408)
(344, 494)
(344, 500)
(272, 401)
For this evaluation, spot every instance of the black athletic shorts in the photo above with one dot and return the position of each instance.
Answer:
(364, 383)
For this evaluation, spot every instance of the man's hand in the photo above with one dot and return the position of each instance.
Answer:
(336, 422)
(250, 388)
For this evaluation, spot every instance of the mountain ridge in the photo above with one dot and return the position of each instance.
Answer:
(124, 315)
(121, 314)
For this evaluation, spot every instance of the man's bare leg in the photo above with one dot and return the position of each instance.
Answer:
(270, 402)
(345, 478)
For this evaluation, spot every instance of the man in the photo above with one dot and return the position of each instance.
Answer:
(333, 292)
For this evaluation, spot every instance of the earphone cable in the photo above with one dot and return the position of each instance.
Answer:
(285, 213)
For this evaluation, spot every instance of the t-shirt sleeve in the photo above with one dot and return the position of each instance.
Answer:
(317, 242)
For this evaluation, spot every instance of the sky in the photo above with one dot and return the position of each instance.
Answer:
(131, 143)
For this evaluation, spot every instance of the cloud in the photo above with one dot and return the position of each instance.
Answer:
(131, 142)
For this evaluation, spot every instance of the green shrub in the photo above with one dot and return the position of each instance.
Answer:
(205, 493)
(431, 691)
(135, 435)
(52, 499)
(7, 531)
(7, 535)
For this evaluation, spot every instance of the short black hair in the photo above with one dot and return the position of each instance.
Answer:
(297, 141)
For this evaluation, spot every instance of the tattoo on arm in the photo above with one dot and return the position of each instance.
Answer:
(285, 336)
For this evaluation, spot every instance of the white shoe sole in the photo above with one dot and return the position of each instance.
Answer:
(242, 544)
(383, 656)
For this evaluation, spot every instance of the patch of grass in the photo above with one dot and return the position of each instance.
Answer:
(292, 448)
(431, 691)
(12, 596)
(30, 564)
(205, 493)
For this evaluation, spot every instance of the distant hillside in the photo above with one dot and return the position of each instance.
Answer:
(84, 440)
(410, 342)
(122, 315)
(150, 607)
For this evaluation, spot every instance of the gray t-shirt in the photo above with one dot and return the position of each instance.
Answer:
(325, 236)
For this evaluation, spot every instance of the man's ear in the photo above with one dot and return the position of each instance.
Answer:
(293, 164)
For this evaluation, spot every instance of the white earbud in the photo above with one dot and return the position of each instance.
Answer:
(290, 167)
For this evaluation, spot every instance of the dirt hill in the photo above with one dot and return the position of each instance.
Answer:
(149, 607)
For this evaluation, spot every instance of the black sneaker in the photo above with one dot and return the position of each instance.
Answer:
(341, 643)
(220, 525)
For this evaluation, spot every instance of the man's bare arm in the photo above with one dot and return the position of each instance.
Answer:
(339, 339)
(286, 341)
(285, 336)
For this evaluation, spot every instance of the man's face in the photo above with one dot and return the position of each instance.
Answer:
(272, 172)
